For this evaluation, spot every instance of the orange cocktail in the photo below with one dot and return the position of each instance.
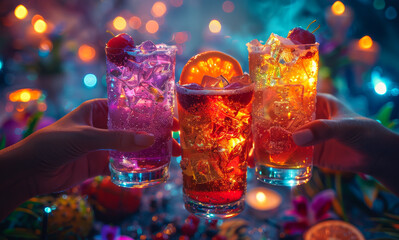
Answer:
(214, 103)
(285, 76)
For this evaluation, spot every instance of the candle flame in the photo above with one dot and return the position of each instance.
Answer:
(338, 8)
(260, 197)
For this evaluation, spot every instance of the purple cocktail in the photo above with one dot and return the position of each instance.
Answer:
(140, 83)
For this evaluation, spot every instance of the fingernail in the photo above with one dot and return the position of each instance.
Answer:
(302, 137)
(144, 140)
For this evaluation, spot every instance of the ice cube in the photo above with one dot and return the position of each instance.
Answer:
(276, 40)
(193, 86)
(235, 85)
(255, 43)
(204, 168)
(147, 46)
(244, 79)
(280, 140)
(209, 82)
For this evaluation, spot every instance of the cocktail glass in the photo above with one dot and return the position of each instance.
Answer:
(216, 139)
(140, 86)
(285, 77)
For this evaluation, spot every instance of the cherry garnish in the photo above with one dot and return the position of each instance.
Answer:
(117, 46)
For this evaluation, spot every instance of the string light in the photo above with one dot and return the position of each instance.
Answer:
(86, 53)
(40, 26)
(152, 26)
(338, 8)
(119, 23)
(215, 26)
(135, 22)
(21, 12)
(365, 42)
(158, 9)
(228, 6)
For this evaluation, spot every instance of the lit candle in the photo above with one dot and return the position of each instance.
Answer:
(339, 17)
(364, 50)
(263, 202)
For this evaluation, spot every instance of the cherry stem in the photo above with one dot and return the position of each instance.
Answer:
(316, 29)
(310, 24)
(113, 35)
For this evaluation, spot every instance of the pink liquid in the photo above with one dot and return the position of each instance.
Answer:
(140, 99)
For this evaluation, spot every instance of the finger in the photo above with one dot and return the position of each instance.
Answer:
(176, 149)
(345, 130)
(176, 125)
(92, 112)
(95, 138)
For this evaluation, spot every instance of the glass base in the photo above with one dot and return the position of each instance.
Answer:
(283, 176)
(214, 211)
(140, 179)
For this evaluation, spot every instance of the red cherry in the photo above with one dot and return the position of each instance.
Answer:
(301, 36)
(116, 47)
(122, 40)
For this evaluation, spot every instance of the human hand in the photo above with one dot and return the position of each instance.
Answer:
(67, 152)
(346, 141)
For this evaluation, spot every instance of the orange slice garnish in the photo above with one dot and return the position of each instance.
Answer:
(210, 63)
(333, 229)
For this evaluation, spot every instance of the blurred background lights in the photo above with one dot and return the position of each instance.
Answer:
(215, 26)
(40, 26)
(176, 3)
(338, 8)
(86, 53)
(90, 80)
(158, 9)
(135, 22)
(25, 96)
(391, 13)
(152, 26)
(21, 12)
(35, 18)
(379, 82)
(46, 45)
(1, 65)
(181, 37)
(380, 88)
(47, 210)
(365, 42)
(119, 23)
(379, 4)
(228, 6)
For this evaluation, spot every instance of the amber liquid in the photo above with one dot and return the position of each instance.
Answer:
(216, 139)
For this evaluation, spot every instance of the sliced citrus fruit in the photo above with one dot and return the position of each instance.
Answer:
(212, 63)
(333, 230)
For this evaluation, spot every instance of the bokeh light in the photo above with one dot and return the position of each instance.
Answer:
(46, 45)
(391, 13)
(380, 88)
(365, 42)
(176, 3)
(119, 23)
(228, 6)
(25, 96)
(40, 26)
(135, 22)
(86, 53)
(152, 26)
(21, 12)
(215, 26)
(35, 18)
(1, 65)
(90, 80)
(158, 9)
(338, 8)
(379, 4)
(181, 37)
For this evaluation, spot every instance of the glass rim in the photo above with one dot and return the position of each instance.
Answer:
(218, 91)
(293, 45)
(160, 47)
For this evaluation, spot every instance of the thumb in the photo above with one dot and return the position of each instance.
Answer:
(344, 130)
(96, 138)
